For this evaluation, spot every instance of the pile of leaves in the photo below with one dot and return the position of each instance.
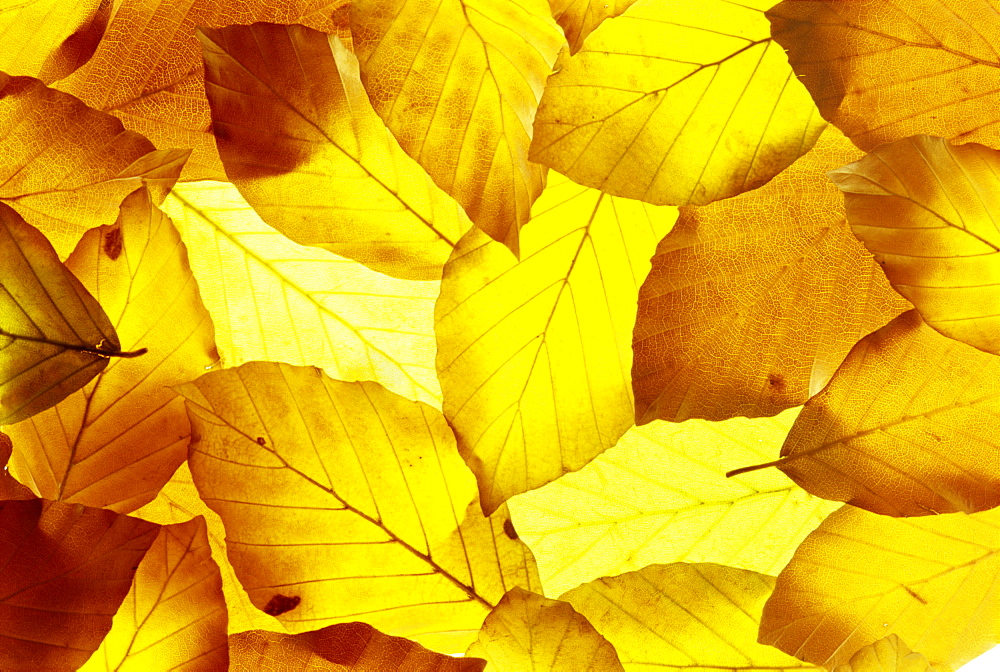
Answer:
(562, 334)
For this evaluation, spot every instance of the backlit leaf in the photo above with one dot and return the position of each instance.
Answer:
(66, 568)
(927, 210)
(344, 501)
(174, 617)
(680, 506)
(936, 60)
(526, 631)
(10, 488)
(458, 83)
(753, 302)
(578, 18)
(272, 299)
(681, 102)
(534, 356)
(932, 581)
(889, 654)
(300, 139)
(49, 39)
(116, 441)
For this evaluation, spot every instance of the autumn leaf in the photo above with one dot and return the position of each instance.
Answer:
(117, 440)
(932, 581)
(272, 299)
(676, 103)
(300, 139)
(527, 631)
(174, 615)
(579, 18)
(66, 568)
(49, 39)
(10, 488)
(889, 654)
(461, 97)
(753, 302)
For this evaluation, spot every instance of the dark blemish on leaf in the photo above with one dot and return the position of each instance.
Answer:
(261, 441)
(914, 594)
(113, 242)
(776, 381)
(508, 529)
(280, 604)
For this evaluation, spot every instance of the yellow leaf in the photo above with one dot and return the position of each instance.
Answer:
(889, 654)
(927, 211)
(49, 39)
(272, 299)
(753, 302)
(66, 568)
(54, 335)
(683, 618)
(312, 157)
(344, 501)
(458, 83)
(936, 60)
(115, 442)
(681, 102)
(680, 506)
(534, 356)
(526, 631)
(344, 647)
(579, 18)
(174, 615)
(932, 581)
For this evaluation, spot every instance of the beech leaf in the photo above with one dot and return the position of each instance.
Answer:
(10, 488)
(49, 39)
(889, 654)
(579, 18)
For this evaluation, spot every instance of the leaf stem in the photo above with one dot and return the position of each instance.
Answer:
(97, 350)
(755, 467)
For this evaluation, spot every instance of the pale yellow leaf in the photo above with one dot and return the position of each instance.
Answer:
(49, 39)
(889, 654)
(579, 18)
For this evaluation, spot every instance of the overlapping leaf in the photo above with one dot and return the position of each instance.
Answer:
(300, 139)
(49, 39)
(579, 18)
(679, 505)
(889, 654)
(116, 441)
(753, 302)
(933, 581)
(534, 356)
(928, 211)
(682, 102)
(9, 488)
(272, 299)
(458, 83)
(344, 501)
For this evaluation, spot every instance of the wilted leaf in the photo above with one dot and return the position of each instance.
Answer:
(928, 210)
(272, 299)
(49, 39)
(933, 581)
(534, 356)
(579, 18)
(680, 102)
(115, 442)
(679, 504)
(10, 488)
(300, 139)
(935, 60)
(66, 568)
(174, 616)
(345, 501)
(683, 618)
(343, 647)
(54, 336)
(889, 654)
(527, 632)
(753, 302)
(458, 83)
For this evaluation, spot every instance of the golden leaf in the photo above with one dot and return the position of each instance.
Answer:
(753, 302)
(174, 615)
(460, 97)
(534, 356)
(116, 441)
(676, 103)
(312, 157)
(932, 581)
(49, 39)
(579, 18)
(526, 631)
(345, 501)
(272, 299)
(889, 654)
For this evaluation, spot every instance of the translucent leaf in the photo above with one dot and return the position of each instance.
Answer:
(927, 211)
(534, 356)
(66, 568)
(753, 302)
(932, 581)
(526, 631)
(10, 488)
(49, 39)
(458, 83)
(344, 647)
(174, 615)
(889, 654)
(344, 501)
(681, 102)
(578, 18)
(301, 141)
(116, 441)
(680, 505)
(272, 299)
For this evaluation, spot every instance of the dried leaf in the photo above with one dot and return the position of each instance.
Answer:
(889, 654)
(10, 488)
(49, 39)
(579, 18)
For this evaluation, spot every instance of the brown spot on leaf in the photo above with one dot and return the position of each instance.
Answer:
(261, 441)
(776, 381)
(280, 604)
(508, 528)
(113, 242)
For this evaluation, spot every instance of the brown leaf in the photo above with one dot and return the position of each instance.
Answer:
(10, 488)
(49, 39)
